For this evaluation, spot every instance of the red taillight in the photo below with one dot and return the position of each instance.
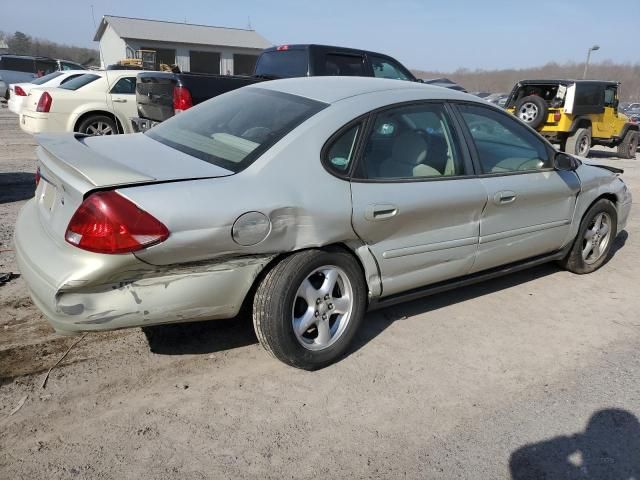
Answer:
(106, 222)
(37, 176)
(44, 104)
(19, 91)
(557, 116)
(181, 99)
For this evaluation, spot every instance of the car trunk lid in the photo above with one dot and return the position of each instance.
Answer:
(72, 166)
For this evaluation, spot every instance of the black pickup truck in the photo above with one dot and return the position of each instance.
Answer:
(161, 95)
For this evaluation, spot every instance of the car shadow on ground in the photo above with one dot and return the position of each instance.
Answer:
(16, 186)
(604, 154)
(608, 448)
(219, 335)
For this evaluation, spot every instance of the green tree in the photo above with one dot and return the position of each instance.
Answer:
(19, 43)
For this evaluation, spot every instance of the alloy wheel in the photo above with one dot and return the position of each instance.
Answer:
(596, 238)
(99, 128)
(322, 307)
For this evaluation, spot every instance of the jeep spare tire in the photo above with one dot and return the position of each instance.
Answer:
(532, 110)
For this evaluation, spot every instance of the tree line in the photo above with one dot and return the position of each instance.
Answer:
(22, 44)
(496, 81)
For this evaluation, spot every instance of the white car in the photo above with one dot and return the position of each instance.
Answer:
(18, 91)
(97, 103)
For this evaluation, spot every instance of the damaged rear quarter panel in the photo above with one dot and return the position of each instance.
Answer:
(307, 206)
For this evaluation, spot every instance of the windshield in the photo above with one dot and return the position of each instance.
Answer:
(282, 63)
(46, 78)
(234, 129)
(80, 82)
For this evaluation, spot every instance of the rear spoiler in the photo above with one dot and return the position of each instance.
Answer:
(71, 154)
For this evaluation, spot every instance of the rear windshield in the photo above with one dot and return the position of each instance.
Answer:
(46, 78)
(234, 129)
(80, 82)
(283, 63)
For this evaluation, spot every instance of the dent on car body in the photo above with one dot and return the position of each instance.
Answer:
(186, 290)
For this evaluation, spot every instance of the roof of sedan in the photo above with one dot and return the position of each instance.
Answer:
(333, 89)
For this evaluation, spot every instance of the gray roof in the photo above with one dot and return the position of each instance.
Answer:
(158, 30)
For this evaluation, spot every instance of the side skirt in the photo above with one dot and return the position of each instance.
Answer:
(439, 287)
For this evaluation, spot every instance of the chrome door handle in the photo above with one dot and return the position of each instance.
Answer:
(119, 100)
(380, 212)
(504, 197)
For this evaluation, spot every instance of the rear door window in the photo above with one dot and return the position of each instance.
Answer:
(283, 63)
(18, 64)
(344, 65)
(45, 67)
(125, 86)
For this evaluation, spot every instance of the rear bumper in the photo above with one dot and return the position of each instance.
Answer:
(81, 291)
(15, 103)
(142, 124)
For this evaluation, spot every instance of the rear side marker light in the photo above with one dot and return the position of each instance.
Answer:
(37, 176)
(106, 222)
(557, 116)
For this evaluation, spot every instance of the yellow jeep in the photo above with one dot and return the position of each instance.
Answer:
(575, 114)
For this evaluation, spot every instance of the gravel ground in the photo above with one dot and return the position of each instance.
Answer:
(525, 376)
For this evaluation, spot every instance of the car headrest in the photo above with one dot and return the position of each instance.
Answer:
(409, 147)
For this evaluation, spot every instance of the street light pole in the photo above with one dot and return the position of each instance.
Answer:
(586, 65)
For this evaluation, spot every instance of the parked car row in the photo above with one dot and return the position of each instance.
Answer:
(24, 68)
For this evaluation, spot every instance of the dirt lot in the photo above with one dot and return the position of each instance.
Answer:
(537, 370)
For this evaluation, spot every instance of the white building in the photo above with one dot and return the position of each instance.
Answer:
(194, 48)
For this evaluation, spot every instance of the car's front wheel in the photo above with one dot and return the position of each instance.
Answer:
(307, 308)
(592, 246)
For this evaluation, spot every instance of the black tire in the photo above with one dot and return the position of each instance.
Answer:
(629, 144)
(574, 261)
(88, 125)
(6, 94)
(579, 143)
(273, 307)
(532, 110)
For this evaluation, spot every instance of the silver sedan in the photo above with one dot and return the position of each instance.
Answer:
(309, 201)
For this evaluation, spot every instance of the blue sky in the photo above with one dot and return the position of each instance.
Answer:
(425, 34)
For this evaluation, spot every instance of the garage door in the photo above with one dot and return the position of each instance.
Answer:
(204, 62)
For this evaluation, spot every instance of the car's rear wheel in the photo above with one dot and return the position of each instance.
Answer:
(595, 237)
(532, 110)
(307, 308)
(579, 143)
(628, 145)
(98, 125)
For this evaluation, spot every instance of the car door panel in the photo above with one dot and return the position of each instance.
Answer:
(417, 207)
(530, 205)
(535, 219)
(433, 235)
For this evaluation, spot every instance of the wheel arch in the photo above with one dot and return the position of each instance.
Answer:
(92, 113)
(359, 251)
(581, 121)
(628, 126)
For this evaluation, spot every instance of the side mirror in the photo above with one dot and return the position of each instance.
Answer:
(565, 162)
